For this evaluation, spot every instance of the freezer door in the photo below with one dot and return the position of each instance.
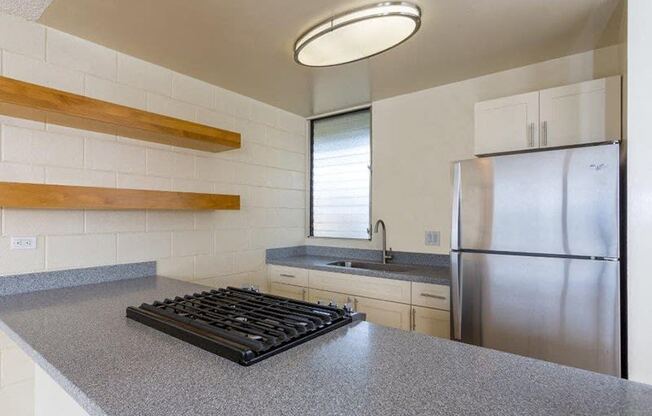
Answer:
(555, 309)
(562, 202)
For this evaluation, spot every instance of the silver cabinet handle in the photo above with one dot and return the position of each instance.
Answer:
(303, 294)
(531, 135)
(355, 304)
(287, 275)
(428, 295)
(544, 139)
(414, 319)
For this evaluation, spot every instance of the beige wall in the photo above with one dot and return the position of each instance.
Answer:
(417, 136)
(639, 190)
(214, 247)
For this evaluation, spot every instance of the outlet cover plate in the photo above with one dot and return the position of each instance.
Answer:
(433, 238)
(23, 243)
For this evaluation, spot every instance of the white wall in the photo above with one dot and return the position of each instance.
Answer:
(217, 247)
(639, 184)
(417, 136)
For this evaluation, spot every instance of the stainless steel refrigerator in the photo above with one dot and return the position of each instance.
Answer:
(535, 255)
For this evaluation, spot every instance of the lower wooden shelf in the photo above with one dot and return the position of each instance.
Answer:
(28, 195)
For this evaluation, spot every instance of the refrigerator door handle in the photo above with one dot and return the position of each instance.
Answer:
(455, 231)
(456, 297)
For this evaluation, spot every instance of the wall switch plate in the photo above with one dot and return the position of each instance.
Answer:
(433, 238)
(23, 243)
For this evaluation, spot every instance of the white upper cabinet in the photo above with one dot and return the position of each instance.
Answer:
(507, 124)
(586, 112)
(581, 113)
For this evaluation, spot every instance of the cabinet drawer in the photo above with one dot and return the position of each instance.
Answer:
(288, 291)
(431, 322)
(370, 287)
(288, 275)
(431, 296)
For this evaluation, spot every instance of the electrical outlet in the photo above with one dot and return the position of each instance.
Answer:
(23, 243)
(432, 238)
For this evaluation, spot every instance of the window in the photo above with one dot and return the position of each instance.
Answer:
(341, 176)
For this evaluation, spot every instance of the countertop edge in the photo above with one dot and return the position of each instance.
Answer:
(416, 278)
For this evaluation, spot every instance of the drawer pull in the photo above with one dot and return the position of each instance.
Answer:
(428, 295)
(287, 275)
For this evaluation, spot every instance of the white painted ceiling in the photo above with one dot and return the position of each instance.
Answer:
(27, 9)
(246, 45)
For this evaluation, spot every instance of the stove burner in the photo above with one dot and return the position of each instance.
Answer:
(240, 324)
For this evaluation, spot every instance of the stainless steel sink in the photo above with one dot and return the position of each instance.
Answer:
(372, 266)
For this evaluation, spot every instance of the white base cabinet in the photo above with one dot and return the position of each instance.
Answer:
(432, 322)
(420, 307)
(380, 312)
(288, 291)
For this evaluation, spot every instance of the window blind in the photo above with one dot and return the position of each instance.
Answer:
(341, 158)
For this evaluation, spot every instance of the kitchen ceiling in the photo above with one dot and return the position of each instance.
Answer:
(247, 45)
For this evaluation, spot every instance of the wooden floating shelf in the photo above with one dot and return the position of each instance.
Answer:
(28, 195)
(34, 102)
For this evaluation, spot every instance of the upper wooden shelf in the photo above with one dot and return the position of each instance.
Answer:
(34, 102)
(31, 195)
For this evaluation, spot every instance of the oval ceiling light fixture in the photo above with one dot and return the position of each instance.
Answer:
(358, 34)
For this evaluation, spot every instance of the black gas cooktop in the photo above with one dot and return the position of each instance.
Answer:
(241, 324)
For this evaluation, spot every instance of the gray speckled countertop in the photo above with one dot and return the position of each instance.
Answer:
(117, 367)
(418, 273)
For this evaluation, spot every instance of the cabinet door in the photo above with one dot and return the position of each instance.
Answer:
(391, 314)
(507, 124)
(581, 113)
(288, 291)
(431, 322)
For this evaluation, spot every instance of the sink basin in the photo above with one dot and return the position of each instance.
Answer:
(372, 266)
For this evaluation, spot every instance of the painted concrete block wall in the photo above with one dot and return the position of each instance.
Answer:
(416, 137)
(217, 247)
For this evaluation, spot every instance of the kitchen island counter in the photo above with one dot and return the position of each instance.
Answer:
(114, 366)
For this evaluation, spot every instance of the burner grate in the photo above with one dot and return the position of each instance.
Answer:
(240, 324)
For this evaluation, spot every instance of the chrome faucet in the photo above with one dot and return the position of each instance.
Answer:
(387, 256)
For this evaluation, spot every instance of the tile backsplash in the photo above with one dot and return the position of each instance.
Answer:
(217, 248)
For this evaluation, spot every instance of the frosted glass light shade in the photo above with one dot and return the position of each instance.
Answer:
(358, 34)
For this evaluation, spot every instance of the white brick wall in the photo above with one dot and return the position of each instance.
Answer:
(217, 248)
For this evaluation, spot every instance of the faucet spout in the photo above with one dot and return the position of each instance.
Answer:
(387, 256)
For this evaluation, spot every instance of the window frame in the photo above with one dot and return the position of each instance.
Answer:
(311, 233)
